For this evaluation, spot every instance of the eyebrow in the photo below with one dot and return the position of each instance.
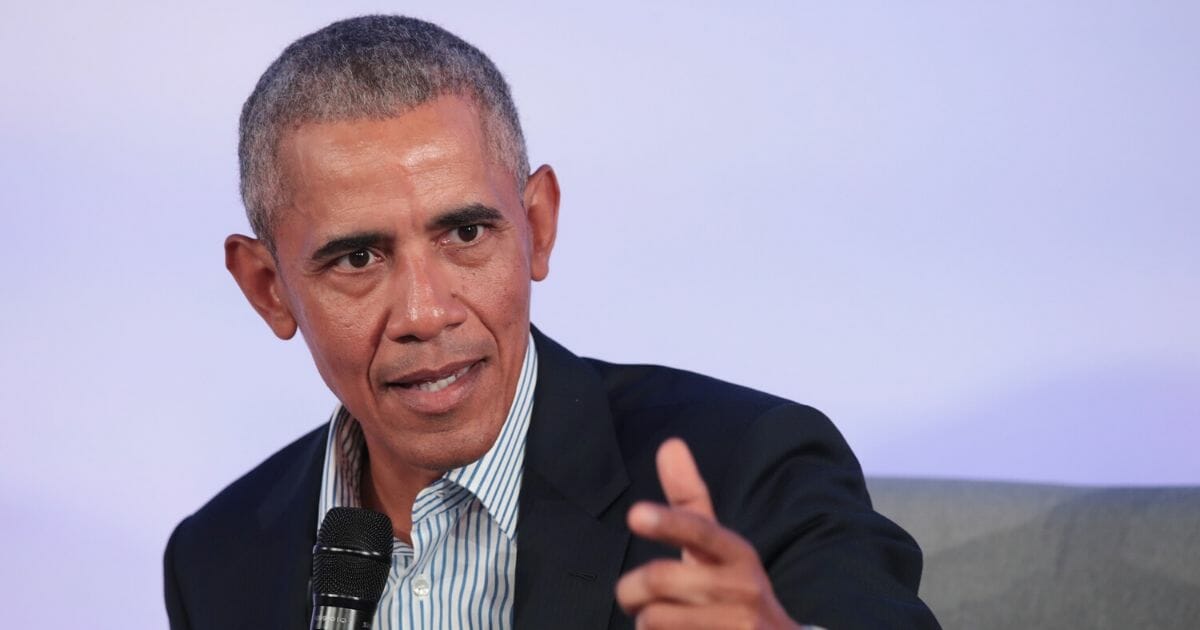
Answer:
(466, 215)
(350, 243)
(459, 217)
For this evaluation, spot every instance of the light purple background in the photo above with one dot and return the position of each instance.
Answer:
(966, 231)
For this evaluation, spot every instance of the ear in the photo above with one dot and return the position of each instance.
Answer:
(541, 209)
(253, 267)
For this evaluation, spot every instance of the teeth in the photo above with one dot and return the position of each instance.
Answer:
(442, 383)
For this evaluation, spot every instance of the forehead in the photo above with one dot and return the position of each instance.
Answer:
(444, 130)
(428, 158)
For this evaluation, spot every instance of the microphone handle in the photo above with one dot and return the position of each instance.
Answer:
(338, 618)
(331, 612)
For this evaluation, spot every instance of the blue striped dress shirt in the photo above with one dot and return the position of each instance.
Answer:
(460, 571)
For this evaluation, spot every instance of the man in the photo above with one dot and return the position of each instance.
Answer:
(399, 228)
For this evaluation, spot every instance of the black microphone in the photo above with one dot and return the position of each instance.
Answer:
(350, 567)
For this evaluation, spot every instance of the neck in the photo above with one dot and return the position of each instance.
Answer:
(392, 490)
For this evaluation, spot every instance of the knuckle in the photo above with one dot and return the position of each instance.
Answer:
(651, 617)
(749, 592)
(657, 575)
(707, 534)
(740, 589)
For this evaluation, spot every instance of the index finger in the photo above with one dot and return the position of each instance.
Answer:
(698, 536)
(681, 480)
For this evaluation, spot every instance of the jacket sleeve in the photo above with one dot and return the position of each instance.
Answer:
(176, 614)
(796, 492)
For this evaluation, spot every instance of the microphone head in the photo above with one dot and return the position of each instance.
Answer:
(353, 554)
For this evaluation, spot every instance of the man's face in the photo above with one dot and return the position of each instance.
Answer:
(405, 259)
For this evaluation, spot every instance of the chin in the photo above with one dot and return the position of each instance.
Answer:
(439, 457)
(446, 450)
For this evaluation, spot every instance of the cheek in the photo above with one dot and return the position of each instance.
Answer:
(500, 293)
(341, 335)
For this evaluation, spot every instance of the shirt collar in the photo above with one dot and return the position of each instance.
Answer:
(495, 478)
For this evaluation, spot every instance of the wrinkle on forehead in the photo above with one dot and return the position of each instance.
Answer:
(424, 132)
(425, 142)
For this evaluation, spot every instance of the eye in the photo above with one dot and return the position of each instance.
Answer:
(356, 259)
(466, 233)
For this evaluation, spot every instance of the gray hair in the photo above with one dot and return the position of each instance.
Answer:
(369, 67)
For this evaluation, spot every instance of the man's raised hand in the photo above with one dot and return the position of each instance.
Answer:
(718, 583)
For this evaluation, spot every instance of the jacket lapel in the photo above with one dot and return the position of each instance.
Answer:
(288, 521)
(571, 536)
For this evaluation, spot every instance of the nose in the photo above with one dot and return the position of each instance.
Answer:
(425, 302)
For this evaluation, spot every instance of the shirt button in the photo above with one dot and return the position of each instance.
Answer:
(421, 586)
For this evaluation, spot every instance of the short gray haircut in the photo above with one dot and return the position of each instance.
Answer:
(369, 67)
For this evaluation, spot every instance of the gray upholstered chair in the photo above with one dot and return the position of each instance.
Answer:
(1010, 555)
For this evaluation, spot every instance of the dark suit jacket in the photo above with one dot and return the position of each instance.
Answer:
(779, 473)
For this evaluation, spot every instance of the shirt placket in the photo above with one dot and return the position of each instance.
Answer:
(411, 590)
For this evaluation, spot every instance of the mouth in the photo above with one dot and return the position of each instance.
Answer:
(434, 381)
(439, 390)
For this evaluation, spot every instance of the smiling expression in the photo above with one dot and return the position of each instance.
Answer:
(405, 258)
